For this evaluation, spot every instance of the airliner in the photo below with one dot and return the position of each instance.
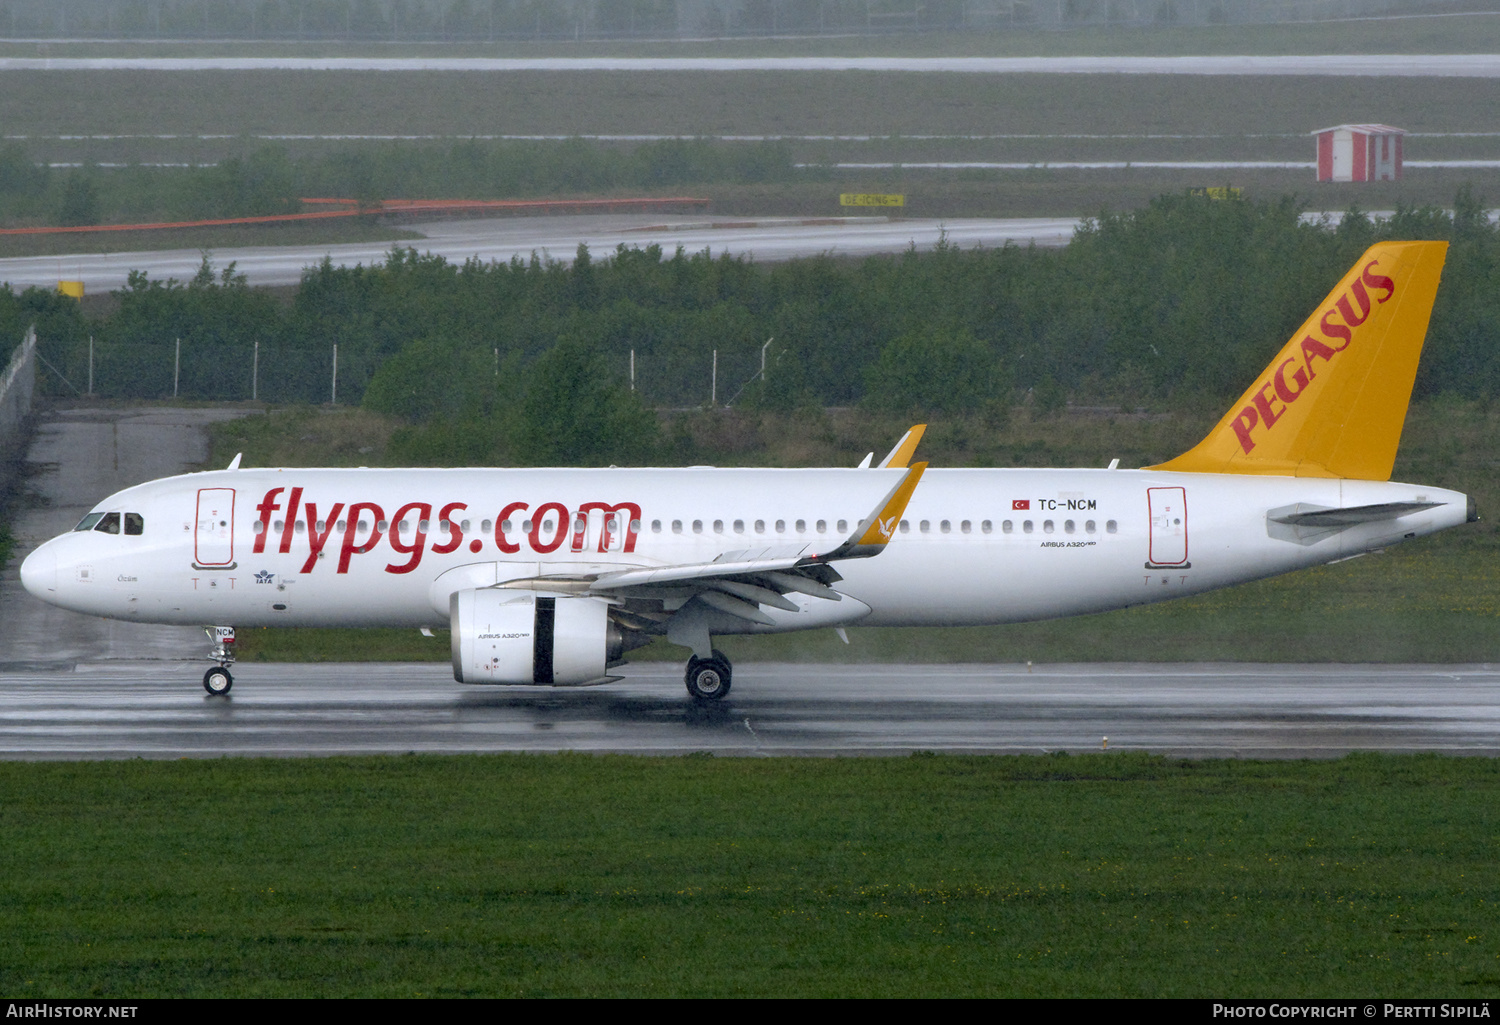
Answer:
(550, 576)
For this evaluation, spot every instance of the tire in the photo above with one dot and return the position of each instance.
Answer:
(217, 681)
(708, 679)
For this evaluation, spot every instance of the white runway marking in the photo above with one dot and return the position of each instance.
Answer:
(1467, 65)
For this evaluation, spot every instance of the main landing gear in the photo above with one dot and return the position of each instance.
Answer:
(708, 678)
(217, 680)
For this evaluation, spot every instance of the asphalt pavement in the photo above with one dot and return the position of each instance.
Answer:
(765, 239)
(159, 710)
(1466, 65)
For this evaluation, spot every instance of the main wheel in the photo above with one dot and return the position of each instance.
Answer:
(708, 678)
(217, 681)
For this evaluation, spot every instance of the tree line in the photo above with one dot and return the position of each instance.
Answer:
(1178, 303)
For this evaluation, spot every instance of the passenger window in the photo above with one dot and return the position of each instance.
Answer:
(677, 526)
(945, 527)
(843, 526)
(739, 526)
(1090, 526)
(966, 527)
(1046, 526)
(134, 524)
(301, 526)
(656, 526)
(110, 524)
(760, 526)
(905, 526)
(1007, 526)
(801, 526)
(1026, 526)
(718, 526)
(822, 526)
(986, 526)
(1111, 526)
(1068, 526)
(925, 526)
(781, 526)
(697, 526)
(87, 523)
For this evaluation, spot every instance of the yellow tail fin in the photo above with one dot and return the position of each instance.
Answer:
(1333, 401)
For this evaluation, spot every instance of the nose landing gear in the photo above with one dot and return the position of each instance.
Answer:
(217, 680)
(708, 678)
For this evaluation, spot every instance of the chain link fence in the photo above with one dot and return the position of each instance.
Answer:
(181, 369)
(286, 374)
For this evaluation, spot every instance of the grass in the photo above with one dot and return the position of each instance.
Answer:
(1226, 118)
(43, 105)
(1434, 600)
(614, 876)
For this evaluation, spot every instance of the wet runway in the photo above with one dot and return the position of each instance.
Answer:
(765, 239)
(158, 710)
(1478, 65)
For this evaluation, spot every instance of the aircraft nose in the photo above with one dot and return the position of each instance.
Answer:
(39, 572)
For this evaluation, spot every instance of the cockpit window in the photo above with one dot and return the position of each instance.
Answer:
(134, 524)
(110, 524)
(87, 523)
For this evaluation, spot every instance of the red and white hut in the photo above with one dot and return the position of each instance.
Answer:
(1359, 153)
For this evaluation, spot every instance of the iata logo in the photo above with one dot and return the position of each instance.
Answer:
(364, 526)
(1292, 376)
(265, 576)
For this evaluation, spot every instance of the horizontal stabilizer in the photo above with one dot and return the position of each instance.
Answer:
(1316, 516)
(1306, 524)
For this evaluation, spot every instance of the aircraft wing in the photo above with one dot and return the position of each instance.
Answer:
(739, 582)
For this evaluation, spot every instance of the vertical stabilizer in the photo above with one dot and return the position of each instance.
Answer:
(1333, 401)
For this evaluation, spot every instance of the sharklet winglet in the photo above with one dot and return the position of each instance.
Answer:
(900, 456)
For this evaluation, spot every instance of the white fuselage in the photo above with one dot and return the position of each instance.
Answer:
(366, 547)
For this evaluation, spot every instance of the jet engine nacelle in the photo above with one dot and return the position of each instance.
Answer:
(519, 637)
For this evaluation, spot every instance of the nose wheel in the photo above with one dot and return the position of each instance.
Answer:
(708, 679)
(217, 680)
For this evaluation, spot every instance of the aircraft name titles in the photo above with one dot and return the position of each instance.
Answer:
(539, 537)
